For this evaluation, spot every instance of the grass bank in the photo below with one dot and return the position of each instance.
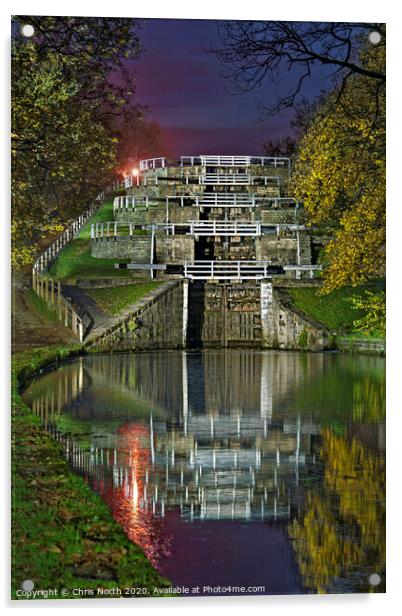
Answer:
(334, 310)
(75, 260)
(114, 300)
(63, 534)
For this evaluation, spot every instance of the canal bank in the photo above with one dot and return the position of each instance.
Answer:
(63, 534)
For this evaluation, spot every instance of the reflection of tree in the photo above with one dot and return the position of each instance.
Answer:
(342, 532)
(369, 398)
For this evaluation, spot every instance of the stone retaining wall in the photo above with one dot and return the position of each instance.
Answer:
(156, 323)
(174, 248)
(280, 251)
(137, 248)
(285, 327)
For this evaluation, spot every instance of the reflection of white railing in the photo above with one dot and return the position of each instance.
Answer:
(152, 163)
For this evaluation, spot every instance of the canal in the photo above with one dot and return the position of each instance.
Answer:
(255, 469)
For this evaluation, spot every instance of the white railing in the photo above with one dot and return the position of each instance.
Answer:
(124, 203)
(227, 270)
(287, 228)
(300, 269)
(228, 199)
(216, 227)
(153, 163)
(236, 178)
(42, 263)
(235, 161)
(110, 229)
(224, 178)
(49, 289)
(219, 199)
(113, 229)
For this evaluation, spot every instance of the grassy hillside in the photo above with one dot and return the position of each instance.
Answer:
(75, 260)
(334, 310)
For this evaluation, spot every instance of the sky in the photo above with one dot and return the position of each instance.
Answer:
(179, 80)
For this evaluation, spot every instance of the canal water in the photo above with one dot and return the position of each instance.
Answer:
(255, 469)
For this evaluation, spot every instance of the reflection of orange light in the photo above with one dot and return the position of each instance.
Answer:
(140, 525)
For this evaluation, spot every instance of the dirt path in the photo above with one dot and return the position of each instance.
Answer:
(29, 327)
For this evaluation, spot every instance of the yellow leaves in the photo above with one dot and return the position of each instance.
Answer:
(339, 175)
(349, 504)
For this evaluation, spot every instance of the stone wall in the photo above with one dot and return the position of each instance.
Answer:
(159, 323)
(142, 216)
(234, 248)
(137, 248)
(174, 248)
(285, 327)
(215, 315)
(275, 216)
(182, 214)
(280, 251)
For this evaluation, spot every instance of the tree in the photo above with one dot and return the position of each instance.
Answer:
(138, 138)
(339, 174)
(63, 152)
(255, 50)
(284, 146)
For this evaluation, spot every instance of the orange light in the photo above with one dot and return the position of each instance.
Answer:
(134, 171)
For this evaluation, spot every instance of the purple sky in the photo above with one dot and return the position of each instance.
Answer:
(179, 80)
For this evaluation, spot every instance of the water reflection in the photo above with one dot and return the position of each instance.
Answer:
(279, 455)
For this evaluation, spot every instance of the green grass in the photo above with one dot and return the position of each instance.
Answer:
(104, 214)
(115, 299)
(38, 305)
(75, 260)
(333, 310)
(63, 534)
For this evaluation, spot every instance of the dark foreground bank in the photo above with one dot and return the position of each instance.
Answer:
(64, 538)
